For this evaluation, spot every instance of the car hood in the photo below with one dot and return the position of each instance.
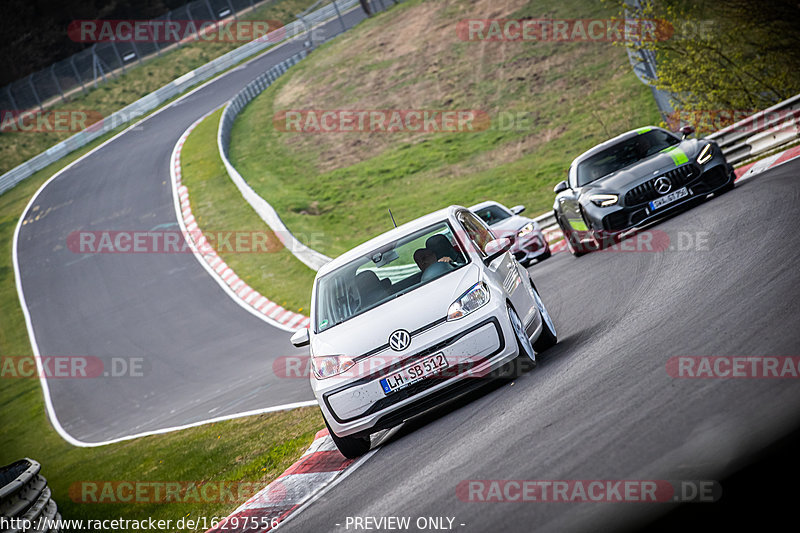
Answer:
(509, 226)
(411, 311)
(646, 169)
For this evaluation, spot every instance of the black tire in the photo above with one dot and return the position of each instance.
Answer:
(526, 353)
(350, 447)
(574, 245)
(548, 337)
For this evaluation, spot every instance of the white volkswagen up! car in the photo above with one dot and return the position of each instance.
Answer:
(412, 317)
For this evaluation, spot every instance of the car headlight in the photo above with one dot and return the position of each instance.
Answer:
(604, 200)
(330, 365)
(526, 229)
(706, 154)
(476, 297)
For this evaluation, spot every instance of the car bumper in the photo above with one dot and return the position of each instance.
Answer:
(620, 218)
(530, 247)
(482, 342)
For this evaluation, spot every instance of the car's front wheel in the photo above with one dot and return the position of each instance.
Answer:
(526, 358)
(548, 337)
(350, 447)
(573, 240)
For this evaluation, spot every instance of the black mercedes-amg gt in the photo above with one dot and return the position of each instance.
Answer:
(633, 179)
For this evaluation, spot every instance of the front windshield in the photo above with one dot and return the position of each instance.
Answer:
(386, 273)
(623, 154)
(492, 214)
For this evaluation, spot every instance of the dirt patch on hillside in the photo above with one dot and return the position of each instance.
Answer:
(414, 59)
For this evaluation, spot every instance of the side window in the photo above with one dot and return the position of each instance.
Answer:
(478, 234)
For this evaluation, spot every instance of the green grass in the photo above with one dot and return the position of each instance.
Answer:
(218, 206)
(137, 82)
(574, 95)
(253, 449)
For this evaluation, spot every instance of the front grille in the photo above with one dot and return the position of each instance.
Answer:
(646, 191)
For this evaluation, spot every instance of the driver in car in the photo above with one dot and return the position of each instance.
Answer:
(429, 265)
(443, 249)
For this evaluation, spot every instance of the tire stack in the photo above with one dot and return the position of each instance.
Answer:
(24, 494)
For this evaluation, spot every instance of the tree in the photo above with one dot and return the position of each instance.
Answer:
(723, 59)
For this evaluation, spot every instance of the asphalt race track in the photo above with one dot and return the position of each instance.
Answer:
(204, 356)
(601, 404)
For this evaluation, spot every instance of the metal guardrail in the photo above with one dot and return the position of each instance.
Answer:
(24, 495)
(308, 256)
(761, 132)
(174, 88)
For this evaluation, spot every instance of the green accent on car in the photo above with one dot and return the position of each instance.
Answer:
(643, 130)
(678, 156)
(577, 224)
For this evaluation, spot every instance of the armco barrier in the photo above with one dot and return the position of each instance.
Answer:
(311, 258)
(761, 132)
(308, 256)
(174, 88)
(24, 495)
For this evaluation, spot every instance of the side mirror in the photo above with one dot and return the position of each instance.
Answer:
(686, 131)
(497, 247)
(561, 186)
(301, 338)
(517, 209)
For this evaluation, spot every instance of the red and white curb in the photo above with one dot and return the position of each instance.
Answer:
(751, 169)
(318, 469)
(237, 288)
(742, 173)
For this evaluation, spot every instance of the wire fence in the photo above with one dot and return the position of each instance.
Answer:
(175, 87)
(108, 60)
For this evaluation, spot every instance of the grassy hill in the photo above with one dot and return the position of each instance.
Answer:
(571, 95)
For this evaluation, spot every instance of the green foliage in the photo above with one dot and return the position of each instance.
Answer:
(723, 56)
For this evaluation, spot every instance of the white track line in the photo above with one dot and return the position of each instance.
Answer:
(232, 289)
(48, 402)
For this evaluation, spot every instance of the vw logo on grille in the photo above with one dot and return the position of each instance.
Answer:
(662, 185)
(399, 340)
